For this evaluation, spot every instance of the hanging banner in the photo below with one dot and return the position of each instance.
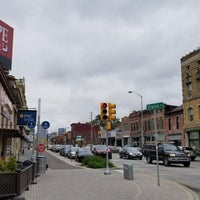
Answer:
(26, 116)
(6, 45)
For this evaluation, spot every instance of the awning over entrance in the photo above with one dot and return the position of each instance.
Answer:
(12, 133)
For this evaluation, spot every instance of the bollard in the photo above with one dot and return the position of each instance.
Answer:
(128, 171)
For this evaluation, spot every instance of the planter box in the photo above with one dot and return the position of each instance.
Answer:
(14, 183)
(8, 183)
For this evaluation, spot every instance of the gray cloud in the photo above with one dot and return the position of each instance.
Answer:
(76, 54)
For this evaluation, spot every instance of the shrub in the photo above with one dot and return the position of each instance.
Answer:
(2, 165)
(11, 164)
(96, 162)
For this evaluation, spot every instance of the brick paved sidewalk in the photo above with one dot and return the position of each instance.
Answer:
(77, 183)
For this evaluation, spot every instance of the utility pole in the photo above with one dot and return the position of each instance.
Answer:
(38, 123)
(91, 138)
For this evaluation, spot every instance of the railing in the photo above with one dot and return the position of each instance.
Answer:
(14, 183)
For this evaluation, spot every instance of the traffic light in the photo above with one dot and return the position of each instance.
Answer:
(111, 111)
(104, 111)
(108, 126)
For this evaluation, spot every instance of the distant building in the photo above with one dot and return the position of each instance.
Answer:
(190, 74)
(61, 131)
(169, 126)
(84, 134)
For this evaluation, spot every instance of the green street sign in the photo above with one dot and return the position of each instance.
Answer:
(155, 106)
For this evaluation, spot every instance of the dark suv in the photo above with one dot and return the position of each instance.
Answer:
(168, 153)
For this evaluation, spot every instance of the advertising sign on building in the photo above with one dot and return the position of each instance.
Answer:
(25, 116)
(6, 45)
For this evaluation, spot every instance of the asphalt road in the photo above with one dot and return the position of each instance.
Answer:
(55, 163)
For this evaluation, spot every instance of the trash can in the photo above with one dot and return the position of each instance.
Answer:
(41, 164)
(128, 171)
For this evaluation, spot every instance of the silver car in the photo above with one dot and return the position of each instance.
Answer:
(72, 152)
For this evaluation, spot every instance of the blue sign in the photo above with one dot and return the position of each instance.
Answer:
(45, 125)
(24, 116)
(31, 124)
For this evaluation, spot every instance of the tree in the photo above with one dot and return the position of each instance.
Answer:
(97, 121)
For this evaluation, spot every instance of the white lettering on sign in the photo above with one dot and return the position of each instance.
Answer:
(4, 39)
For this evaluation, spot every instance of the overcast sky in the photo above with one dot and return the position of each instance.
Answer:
(75, 54)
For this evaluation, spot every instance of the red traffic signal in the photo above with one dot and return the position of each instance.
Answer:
(104, 111)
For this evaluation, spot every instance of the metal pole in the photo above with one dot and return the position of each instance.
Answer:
(38, 123)
(142, 131)
(33, 150)
(91, 139)
(142, 128)
(156, 138)
(107, 170)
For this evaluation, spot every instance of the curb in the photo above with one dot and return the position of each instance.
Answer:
(191, 194)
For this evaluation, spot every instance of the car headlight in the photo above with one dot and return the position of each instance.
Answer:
(172, 154)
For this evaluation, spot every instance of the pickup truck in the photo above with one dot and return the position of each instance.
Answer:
(167, 153)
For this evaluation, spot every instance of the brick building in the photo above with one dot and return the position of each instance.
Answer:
(169, 126)
(85, 133)
(190, 73)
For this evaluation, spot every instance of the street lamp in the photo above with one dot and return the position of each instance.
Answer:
(142, 129)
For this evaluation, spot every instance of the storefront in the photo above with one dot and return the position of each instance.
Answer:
(194, 139)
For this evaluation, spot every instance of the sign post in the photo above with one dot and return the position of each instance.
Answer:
(154, 107)
(45, 124)
(40, 148)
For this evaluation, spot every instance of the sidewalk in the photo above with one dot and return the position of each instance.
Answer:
(92, 184)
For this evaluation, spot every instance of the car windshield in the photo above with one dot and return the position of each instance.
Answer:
(67, 147)
(74, 148)
(131, 149)
(84, 150)
(169, 147)
(100, 147)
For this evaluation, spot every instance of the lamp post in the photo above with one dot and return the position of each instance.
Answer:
(142, 129)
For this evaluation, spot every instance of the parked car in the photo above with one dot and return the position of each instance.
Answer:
(56, 148)
(100, 150)
(65, 149)
(130, 153)
(189, 151)
(167, 153)
(82, 153)
(115, 149)
(72, 152)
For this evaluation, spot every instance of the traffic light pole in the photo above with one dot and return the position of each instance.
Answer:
(107, 115)
(107, 170)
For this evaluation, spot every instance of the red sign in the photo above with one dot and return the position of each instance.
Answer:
(6, 44)
(40, 148)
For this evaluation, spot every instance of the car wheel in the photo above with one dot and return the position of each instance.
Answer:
(140, 158)
(166, 162)
(186, 164)
(149, 160)
(192, 158)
